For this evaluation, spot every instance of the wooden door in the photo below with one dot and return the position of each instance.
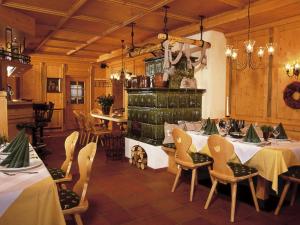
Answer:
(77, 98)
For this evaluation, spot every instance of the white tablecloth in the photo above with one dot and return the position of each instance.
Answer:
(246, 151)
(12, 186)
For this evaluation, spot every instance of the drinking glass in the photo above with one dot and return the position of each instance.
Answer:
(276, 133)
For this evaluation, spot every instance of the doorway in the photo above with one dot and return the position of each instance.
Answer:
(77, 98)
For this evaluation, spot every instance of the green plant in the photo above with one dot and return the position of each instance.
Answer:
(105, 100)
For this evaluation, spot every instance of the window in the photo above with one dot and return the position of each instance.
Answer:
(77, 92)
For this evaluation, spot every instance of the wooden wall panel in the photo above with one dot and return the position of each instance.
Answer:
(3, 114)
(31, 83)
(249, 87)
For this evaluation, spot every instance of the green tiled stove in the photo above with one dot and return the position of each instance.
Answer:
(149, 108)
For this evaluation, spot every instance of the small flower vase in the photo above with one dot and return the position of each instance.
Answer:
(266, 135)
(105, 109)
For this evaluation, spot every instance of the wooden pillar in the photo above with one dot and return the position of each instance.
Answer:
(3, 114)
(3, 76)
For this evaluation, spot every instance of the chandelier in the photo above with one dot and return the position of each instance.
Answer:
(122, 75)
(232, 53)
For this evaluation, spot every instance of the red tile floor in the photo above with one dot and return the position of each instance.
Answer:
(119, 193)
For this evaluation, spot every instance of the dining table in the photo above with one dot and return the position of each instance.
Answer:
(28, 195)
(120, 121)
(271, 158)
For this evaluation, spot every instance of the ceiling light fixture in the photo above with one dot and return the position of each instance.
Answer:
(232, 53)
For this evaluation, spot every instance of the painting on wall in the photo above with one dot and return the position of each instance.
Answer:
(53, 85)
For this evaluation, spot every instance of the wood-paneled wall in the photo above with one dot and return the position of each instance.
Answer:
(249, 99)
(34, 81)
(135, 66)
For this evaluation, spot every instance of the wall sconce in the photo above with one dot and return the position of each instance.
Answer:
(292, 69)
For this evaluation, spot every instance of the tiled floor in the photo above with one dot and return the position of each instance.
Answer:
(121, 194)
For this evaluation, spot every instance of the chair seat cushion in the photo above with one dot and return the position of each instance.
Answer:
(240, 170)
(198, 157)
(57, 173)
(68, 199)
(293, 171)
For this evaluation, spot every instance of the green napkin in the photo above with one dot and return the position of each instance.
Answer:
(212, 128)
(15, 142)
(282, 133)
(207, 126)
(19, 155)
(251, 135)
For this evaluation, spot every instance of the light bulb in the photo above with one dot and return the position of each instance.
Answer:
(234, 54)
(271, 48)
(249, 46)
(228, 51)
(288, 67)
(260, 52)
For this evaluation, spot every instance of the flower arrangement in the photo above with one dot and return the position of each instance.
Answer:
(105, 100)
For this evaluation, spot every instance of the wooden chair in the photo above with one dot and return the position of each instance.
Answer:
(80, 124)
(292, 176)
(184, 161)
(224, 172)
(75, 201)
(93, 131)
(63, 174)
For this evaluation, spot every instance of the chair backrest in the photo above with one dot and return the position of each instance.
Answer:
(70, 144)
(221, 151)
(86, 121)
(43, 112)
(50, 111)
(182, 142)
(85, 160)
(79, 119)
(40, 110)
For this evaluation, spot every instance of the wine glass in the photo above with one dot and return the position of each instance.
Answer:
(276, 133)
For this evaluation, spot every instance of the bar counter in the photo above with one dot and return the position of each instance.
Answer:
(18, 111)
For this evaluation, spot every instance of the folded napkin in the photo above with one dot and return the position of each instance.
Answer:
(211, 128)
(16, 141)
(207, 125)
(282, 133)
(251, 135)
(19, 155)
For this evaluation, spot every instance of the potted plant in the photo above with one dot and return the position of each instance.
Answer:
(266, 131)
(106, 102)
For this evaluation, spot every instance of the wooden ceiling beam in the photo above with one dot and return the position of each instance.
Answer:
(215, 21)
(67, 40)
(17, 20)
(140, 7)
(70, 13)
(234, 15)
(126, 3)
(31, 8)
(178, 17)
(156, 6)
(234, 3)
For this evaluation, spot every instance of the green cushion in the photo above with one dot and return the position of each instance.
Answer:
(200, 157)
(240, 170)
(68, 199)
(57, 173)
(294, 172)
